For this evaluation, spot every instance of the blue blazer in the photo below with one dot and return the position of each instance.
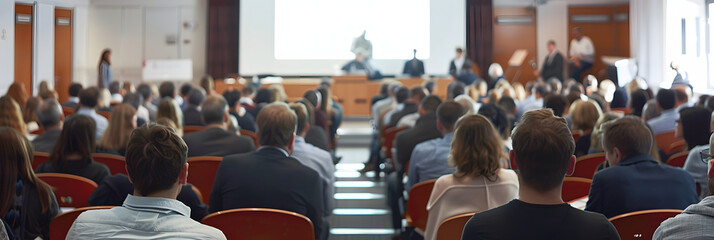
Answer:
(640, 183)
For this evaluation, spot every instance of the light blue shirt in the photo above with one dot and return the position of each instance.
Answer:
(142, 218)
(320, 161)
(99, 120)
(665, 122)
(430, 160)
(698, 169)
(105, 75)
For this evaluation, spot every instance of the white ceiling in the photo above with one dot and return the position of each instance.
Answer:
(525, 3)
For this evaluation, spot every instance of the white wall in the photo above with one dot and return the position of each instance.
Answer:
(44, 38)
(552, 24)
(7, 44)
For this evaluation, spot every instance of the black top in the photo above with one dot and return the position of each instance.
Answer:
(414, 68)
(45, 142)
(84, 168)
(30, 222)
(217, 142)
(553, 67)
(317, 136)
(114, 189)
(246, 122)
(192, 116)
(268, 178)
(520, 220)
(582, 146)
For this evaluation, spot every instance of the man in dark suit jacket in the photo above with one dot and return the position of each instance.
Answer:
(245, 120)
(635, 181)
(553, 64)
(414, 67)
(192, 114)
(215, 140)
(461, 68)
(73, 101)
(50, 117)
(269, 177)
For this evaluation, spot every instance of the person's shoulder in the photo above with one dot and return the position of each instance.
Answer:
(507, 175)
(97, 216)
(198, 228)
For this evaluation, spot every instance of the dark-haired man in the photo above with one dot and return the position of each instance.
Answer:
(145, 90)
(543, 148)
(215, 140)
(50, 117)
(665, 122)
(88, 100)
(246, 121)
(269, 177)
(635, 181)
(156, 162)
(73, 101)
(192, 111)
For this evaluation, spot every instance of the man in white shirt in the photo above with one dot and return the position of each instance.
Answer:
(152, 212)
(582, 54)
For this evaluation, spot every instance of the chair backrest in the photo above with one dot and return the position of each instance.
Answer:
(453, 227)
(105, 114)
(39, 158)
(677, 146)
(38, 131)
(59, 226)
(576, 136)
(625, 111)
(261, 223)
(389, 136)
(116, 163)
(202, 173)
(416, 205)
(641, 224)
(678, 159)
(70, 190)
(68, 111)
(575, 187)
(190, 129)
(585, 166)
(251, 135)
(665, 139)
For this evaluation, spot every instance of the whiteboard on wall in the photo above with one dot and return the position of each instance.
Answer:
(168, 70)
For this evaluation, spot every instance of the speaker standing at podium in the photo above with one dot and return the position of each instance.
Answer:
(552, 65)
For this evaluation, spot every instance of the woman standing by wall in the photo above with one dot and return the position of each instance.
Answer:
(104, 69)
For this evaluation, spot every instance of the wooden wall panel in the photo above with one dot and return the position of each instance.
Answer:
(63, 54)
(509, 37)
(23, 48)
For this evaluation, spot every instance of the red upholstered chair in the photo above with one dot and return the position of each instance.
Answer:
(679, 145)
(575, 187)
(576, 136)
(453, 227)
(70, 190)
(105, 114)
(38, 131)
(641, 224)
(59, 227)
(39, 158)
(625, 111)
(116, 163)
(190, 129)
(416, 205)
(585, 166)
(261, 223)
(251, 135)
(389, 135)
(67, 111)
(665, 139)
(678, 159)
(203, 172)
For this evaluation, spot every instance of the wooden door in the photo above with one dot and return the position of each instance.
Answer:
(514, 28)
(23, 45)
(63, 52)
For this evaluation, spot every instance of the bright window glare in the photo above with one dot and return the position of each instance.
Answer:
(324, 29)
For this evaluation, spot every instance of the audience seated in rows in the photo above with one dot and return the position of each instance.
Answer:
(156, 162)
(499, 120)
(72, 154)
(401, 97)
(115, 89)
(669, 114)
(184, 91)
(424, 129)
(694, 127)
(479, 182)
(584, 115)
(637, 102)
(214, 140)
(245, 120)
(51, 118)
(315, 135)
(634, 179)
(269, 177)
(192, 111)
(314, 97)
(262, 97)
(543, 149)
(88, 100)
(136, 101)
(331, 108)
(410, 113)
(145, 90)
(27, 204)
(168, 108)
(122, 121)
(248, 92)
(73, 101)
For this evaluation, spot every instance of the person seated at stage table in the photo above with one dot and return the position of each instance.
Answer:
(214, 140)
(361, 66)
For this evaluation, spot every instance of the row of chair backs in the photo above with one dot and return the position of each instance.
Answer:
(575, 187)
(67, 111)
(419, 194)
(116, 163)
(585, 166)
(641, 224)
(203, 170)
(388, 139)
(39, 158)
(665, 140)
(253, 136)
(60, 225)
(261, 223)
(678, 159)
(453, 227)
(70, 190)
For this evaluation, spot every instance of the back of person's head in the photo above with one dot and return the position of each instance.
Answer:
(29, 112)
(555, 85)
(696, 124)
(495, 70)
(169, 109)
(313, 97)
(196, 97)
(498, 119)
(584, 114)
(18, 93)
(448, 113)
(557, 103)
(214, 110)
(595, 141)
(46, 91)
(429, 86)
(638, 99)
(49, 113)
(279, 93)
(121, 123)
(619, 98)
(16, 154)
(402, 95)
(541, 89)
(167, 89)
(207, 84)
(680, 95)
(232, 97)
(301, 114)
(507, 104)
(134, 99)
(665, 98)
(166, 122)
(430, 104)
(476, 148)
(78, 137)
(326, 97)
(155, 158)
(74, 89)
(418, 93)
(264, 95)
(248, 91)
(11, 115)
(115, 87)
(89, 97)
(185, 89)
(542, 146)
(651, 110)
(455, 89)
(629, 135)
(276, 124)
(144, 90)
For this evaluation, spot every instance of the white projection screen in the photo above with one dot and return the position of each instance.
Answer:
(313, 37)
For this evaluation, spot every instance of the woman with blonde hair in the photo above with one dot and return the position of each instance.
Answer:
(11, 115)
(18, 93)
(584, 115)
(479, 182)
(116, 137)
(169, 109)
(46, 91)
